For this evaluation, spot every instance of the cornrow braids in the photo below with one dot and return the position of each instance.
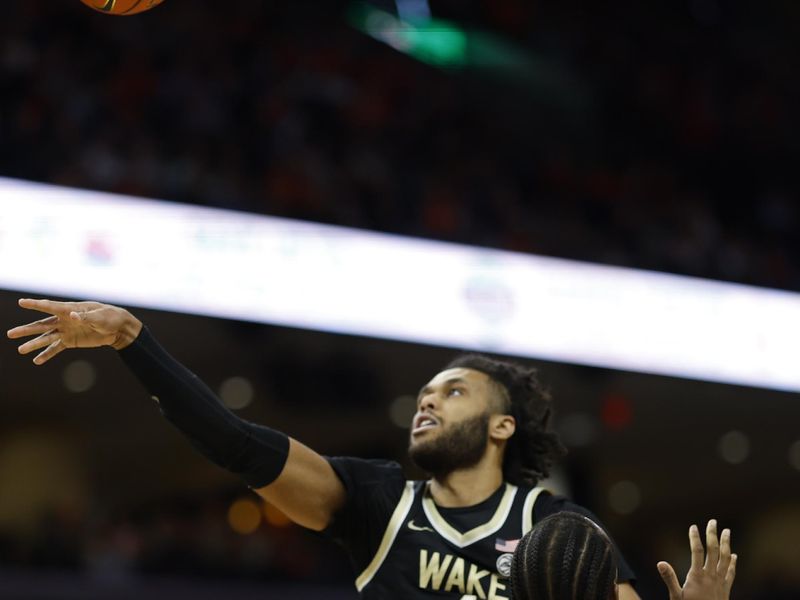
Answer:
(535, 446)
(570, 562)
(566, 556)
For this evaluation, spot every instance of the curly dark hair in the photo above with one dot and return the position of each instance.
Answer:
(535, 446)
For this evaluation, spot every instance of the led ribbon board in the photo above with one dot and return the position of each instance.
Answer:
(162, 255)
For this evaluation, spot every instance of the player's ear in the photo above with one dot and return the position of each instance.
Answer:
(502, 427)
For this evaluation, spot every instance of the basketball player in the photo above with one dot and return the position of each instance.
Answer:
(567, 556)
(482, 430)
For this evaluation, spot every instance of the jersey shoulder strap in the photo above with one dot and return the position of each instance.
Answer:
(395, 523)
(528, 507)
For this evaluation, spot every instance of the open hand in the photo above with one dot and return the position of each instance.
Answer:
(709, 580)
(74, 325)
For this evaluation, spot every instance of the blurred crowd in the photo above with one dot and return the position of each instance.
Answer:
(192, 536)
(682, 160)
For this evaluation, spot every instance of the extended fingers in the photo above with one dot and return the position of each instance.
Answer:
(712, 545)
(47, 306)
(35, 328)
(724, 553)
(670, 580)
(696, 546)
(49, 352)
(730, 575)
(40, 342)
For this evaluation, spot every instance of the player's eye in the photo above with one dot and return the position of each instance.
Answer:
(455, 392)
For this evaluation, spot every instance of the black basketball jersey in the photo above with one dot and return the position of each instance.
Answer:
(404, 546)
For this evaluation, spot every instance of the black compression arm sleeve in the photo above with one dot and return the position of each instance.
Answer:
(256, 453)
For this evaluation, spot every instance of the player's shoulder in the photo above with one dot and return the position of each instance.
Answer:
(548, 503)
(367, 471)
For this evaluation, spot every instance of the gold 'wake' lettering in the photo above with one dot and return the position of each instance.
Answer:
(436, 569)
(432, 571)
(474, 586)
(456, 578)
(494, 587)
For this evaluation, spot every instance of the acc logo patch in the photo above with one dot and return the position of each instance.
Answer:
(504, 564)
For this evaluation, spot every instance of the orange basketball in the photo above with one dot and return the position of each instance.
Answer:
(122, 7)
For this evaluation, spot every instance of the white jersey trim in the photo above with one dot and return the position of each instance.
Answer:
(527, 509)
(459, 539)
(395, 523)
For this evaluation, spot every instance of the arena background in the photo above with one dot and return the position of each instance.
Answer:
(658, 135)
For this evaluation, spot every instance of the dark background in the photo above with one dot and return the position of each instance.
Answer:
(659, 135)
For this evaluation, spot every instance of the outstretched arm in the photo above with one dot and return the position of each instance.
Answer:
(706, 580)
(283, 471)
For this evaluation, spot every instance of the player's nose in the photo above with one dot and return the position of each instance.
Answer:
(428, 402)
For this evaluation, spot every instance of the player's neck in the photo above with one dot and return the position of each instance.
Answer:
(467, 487)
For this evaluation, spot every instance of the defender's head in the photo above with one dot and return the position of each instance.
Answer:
(566, 556)
(477, 404)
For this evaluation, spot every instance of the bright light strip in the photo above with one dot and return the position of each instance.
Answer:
(79, 244)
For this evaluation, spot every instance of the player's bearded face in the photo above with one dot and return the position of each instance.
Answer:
(457, 446)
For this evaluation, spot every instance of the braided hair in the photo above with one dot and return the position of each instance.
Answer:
(566, 556)
(535, 446)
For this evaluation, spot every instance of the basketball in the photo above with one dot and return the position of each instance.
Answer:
(121, 7)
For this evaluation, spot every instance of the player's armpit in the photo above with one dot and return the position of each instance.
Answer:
(626, 592)
(308, 490)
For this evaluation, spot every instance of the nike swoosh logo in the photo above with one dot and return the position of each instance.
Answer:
(413, 527)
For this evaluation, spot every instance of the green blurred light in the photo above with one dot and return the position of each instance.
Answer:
(433, 41)
(446, 45)
(438, 43)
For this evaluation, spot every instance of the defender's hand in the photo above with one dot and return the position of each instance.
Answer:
(75, 325)
(709, 580)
